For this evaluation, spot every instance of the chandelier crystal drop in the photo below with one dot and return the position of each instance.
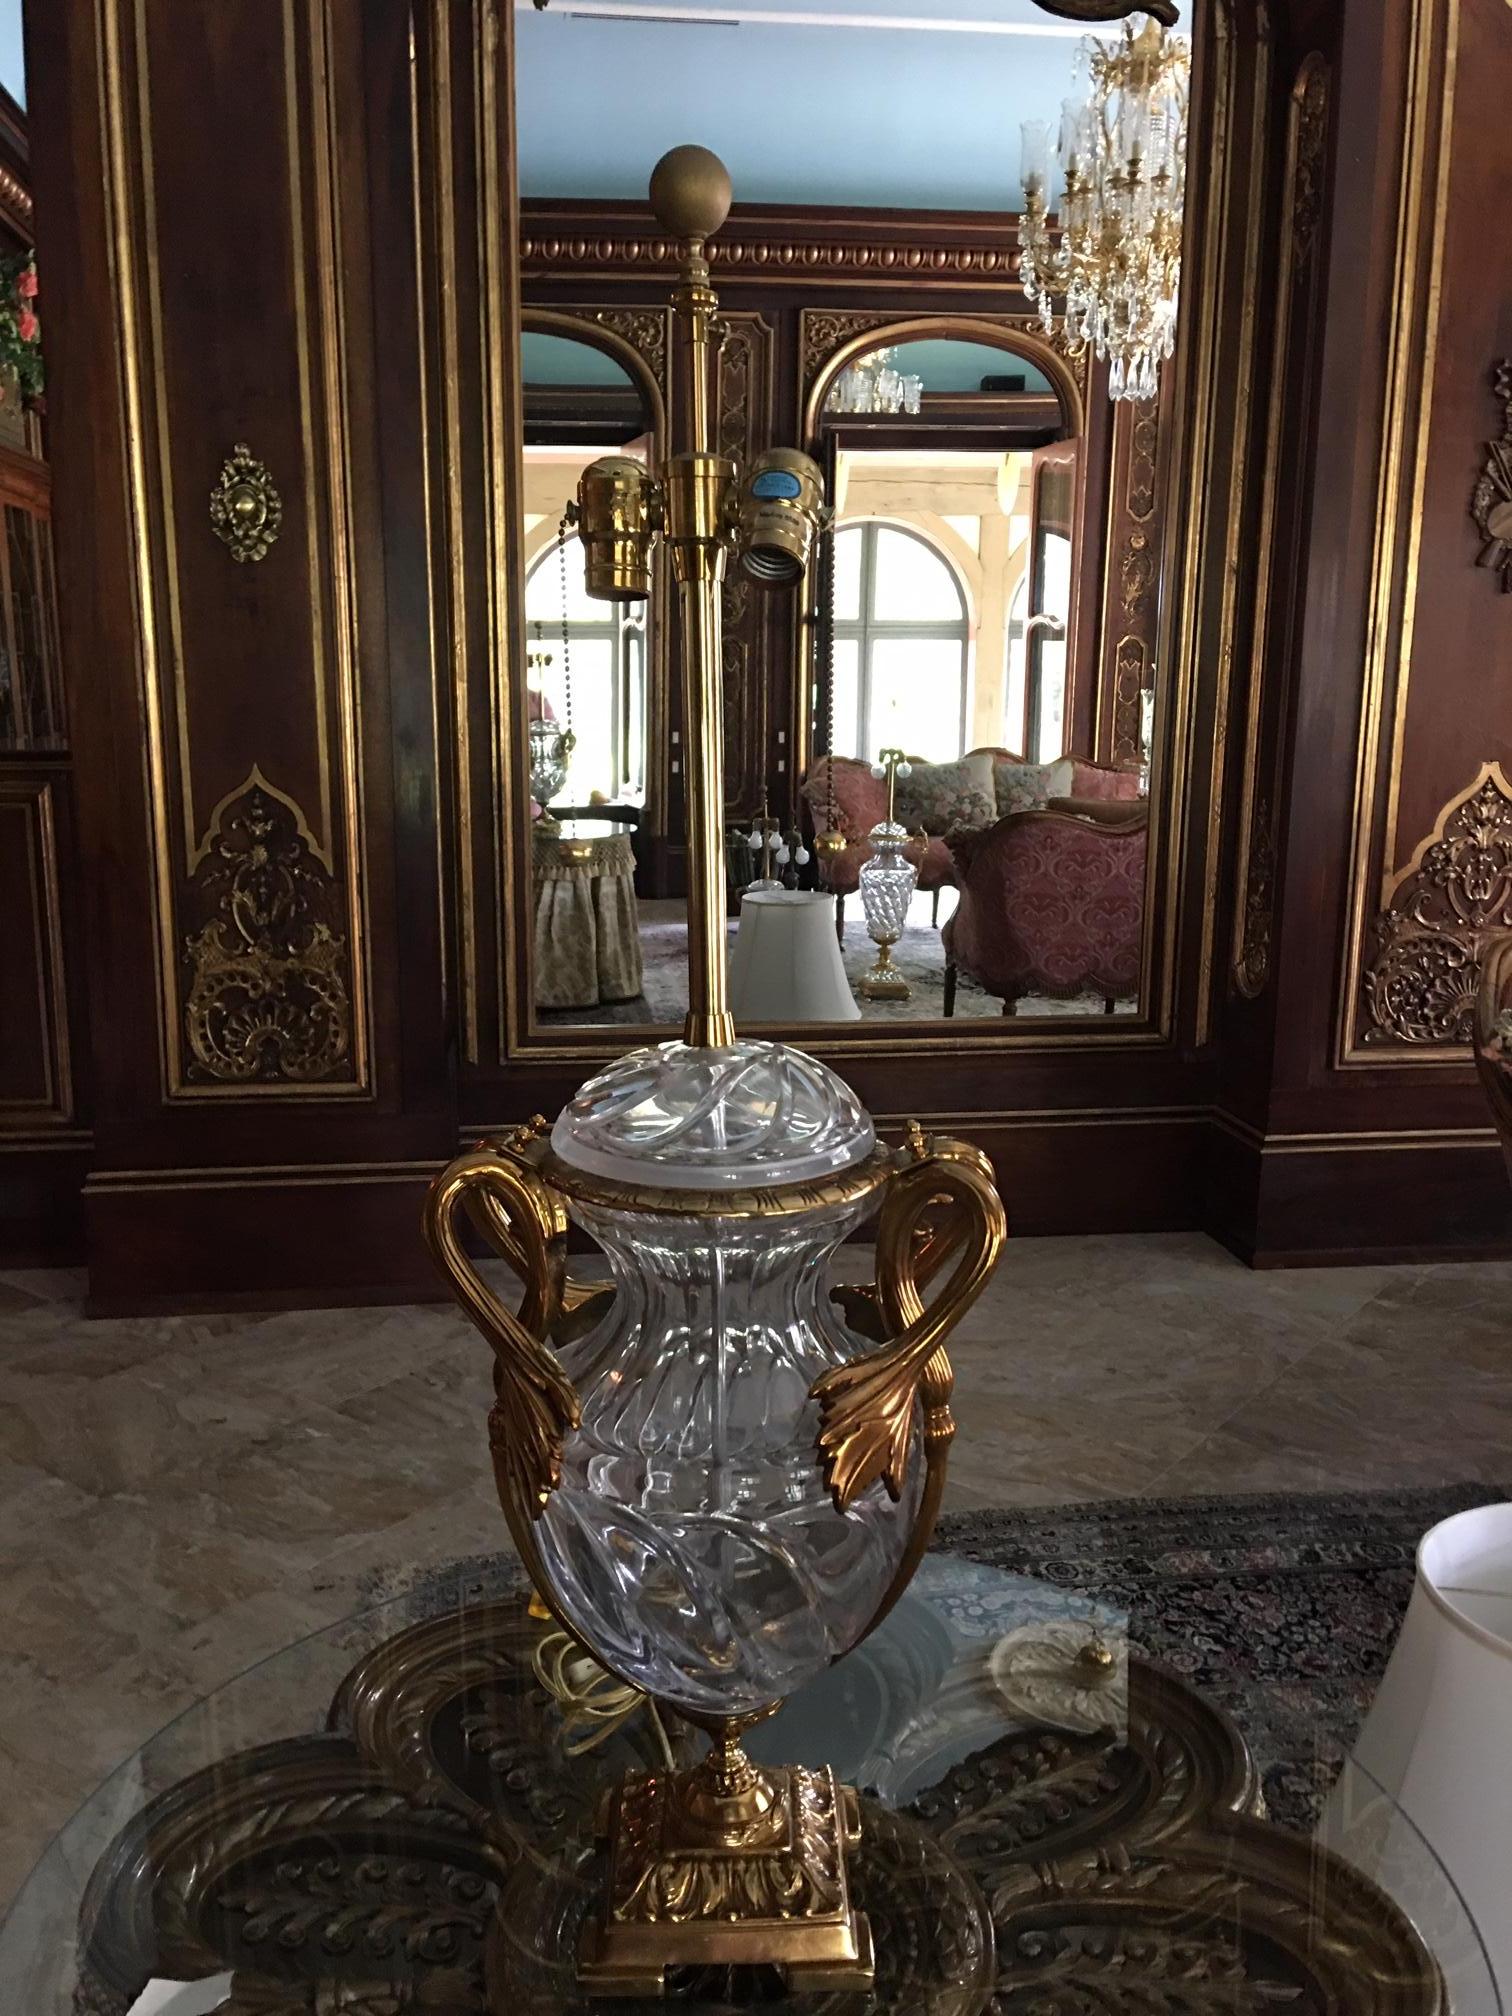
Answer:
(1116, 257)
(874, 384)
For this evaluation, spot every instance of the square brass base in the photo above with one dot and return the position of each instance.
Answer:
(883, 981)
(887, 986)
(761, 1884)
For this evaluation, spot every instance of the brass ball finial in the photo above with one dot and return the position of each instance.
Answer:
(690, 193)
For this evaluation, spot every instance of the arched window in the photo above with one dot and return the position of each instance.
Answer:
(902, 632)
(606, 643)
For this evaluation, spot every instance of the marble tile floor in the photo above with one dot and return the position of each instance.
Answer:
(182, 1497)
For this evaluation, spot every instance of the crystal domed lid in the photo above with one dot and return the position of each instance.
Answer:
(753, 1115)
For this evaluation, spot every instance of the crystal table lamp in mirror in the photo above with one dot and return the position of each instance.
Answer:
(719, 1475)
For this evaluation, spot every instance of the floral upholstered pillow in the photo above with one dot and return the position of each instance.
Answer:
(942, 797)
(1029, 787)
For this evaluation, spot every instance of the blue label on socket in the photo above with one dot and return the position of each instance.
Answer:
(776, 483)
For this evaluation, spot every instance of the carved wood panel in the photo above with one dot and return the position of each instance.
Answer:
(1434, 703)
(1300, 278)
(1131, 590)
(225, 182)
(744, 423)
(1447, 905)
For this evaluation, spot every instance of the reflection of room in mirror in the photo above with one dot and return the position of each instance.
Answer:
(967, 464)
(586, 660)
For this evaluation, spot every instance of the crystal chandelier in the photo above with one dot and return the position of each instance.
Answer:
(1123, 160)
(874, 384)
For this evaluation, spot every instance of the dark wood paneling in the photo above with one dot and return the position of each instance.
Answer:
(35, 1062)
(376, 380)
(226, 203)
(1336, 1202)
(316, 1236)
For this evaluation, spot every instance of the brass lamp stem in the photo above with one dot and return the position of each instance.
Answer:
(690, 193)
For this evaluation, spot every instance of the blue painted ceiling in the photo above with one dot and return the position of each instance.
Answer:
(868, 115)
(12, 57)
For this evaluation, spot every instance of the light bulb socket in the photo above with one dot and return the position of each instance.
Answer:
(619, 513)
(780, 511)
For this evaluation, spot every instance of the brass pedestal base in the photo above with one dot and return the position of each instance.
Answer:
(883, 981)
(728, 1866)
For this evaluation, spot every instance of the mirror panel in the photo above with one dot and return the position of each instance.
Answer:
(984, 602)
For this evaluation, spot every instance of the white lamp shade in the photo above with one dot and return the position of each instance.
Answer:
(786, 964)
(1438, 1743)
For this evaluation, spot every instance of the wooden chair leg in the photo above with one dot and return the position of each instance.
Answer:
(1108, 1008)
(1010, 1007)
(950, 986)
(934, 908)
(840, 920)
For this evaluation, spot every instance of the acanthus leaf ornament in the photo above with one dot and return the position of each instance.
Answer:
(866, 1408)
(1445, 908)
(268, 994)
(246, 510)
(1491, 506)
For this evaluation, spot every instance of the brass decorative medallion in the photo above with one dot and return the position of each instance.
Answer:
(433, 1852)
(245, 508)
(1491, 506)
(1453, 898)
(268, 997)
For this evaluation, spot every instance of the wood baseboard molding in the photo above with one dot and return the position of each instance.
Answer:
(285, 1239)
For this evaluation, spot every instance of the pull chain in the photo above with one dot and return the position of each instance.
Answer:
(827, 662)
(566, 637)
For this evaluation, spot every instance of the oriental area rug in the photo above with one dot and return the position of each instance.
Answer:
(1281, 1609)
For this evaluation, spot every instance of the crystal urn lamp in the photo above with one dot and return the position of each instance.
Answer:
(888, 880)
(550, 752)
(719, 1476)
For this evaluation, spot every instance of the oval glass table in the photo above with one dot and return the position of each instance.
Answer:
(397, 1815)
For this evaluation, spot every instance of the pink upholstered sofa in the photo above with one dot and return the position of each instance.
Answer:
(1052, 901)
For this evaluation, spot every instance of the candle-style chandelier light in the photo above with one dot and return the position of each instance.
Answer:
(1122, 154)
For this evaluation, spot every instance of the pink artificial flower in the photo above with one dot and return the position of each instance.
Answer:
(27, 326)
(26, 286)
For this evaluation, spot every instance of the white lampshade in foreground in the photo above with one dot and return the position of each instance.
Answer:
(1438, 1743)
(786, 965)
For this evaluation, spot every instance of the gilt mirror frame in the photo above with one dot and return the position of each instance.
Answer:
(1208, 499)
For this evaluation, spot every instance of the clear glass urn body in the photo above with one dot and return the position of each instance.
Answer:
(692, 1542)
(888, 880)
(551, 748)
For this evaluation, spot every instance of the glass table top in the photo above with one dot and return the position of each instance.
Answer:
(396, 1815)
